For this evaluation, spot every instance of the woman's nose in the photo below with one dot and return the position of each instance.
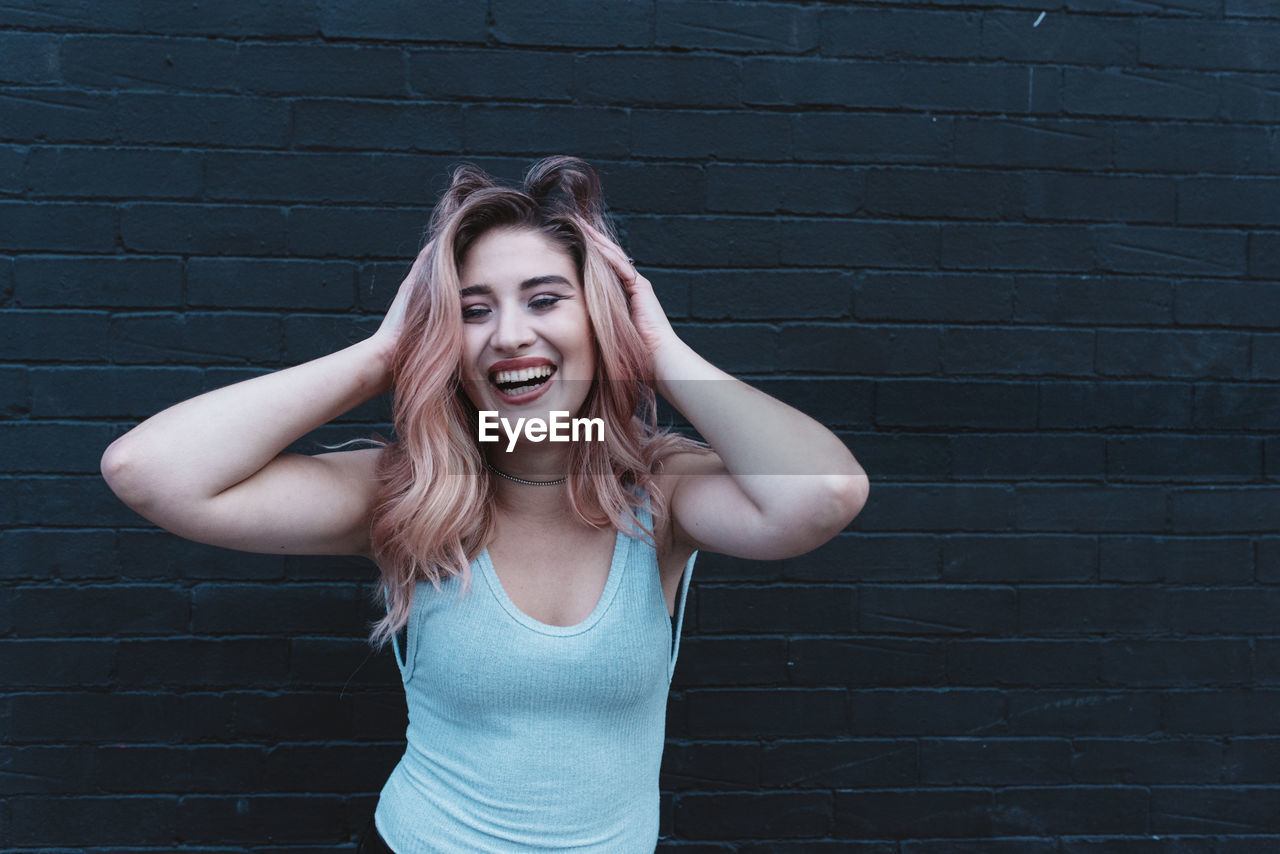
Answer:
(512, 331)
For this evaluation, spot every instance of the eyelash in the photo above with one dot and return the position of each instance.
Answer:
(547, 302)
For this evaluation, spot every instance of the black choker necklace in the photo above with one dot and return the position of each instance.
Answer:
(525, 482)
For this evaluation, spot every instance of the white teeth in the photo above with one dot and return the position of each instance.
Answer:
(522, 375)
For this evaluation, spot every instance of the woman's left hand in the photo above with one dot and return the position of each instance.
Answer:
(646, 312)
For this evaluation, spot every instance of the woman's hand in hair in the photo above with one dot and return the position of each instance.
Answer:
(388, 333)
(646, 312)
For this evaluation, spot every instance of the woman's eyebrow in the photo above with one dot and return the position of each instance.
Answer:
(472, 290)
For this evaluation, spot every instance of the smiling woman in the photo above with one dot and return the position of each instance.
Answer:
(537, 705)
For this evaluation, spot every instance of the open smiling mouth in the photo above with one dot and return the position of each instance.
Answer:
(521, 382)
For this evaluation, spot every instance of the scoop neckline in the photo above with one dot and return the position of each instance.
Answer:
(616, 566)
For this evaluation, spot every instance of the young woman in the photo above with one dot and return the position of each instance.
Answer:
(537, 581)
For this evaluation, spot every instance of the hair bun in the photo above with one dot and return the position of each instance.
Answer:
(566, 185)
(466, 179)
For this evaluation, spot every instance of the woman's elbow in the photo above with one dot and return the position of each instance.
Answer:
(120, 470)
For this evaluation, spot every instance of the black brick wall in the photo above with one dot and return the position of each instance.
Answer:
(1027, 264)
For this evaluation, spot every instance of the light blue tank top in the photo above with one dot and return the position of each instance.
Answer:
(525, 736)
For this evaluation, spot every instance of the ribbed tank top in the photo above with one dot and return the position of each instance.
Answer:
(524, 736)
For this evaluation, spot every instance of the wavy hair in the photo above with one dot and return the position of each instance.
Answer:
(433, 513)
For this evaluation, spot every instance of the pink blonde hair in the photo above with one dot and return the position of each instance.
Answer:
(434, 511)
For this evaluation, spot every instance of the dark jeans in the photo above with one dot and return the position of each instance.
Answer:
(371, 842)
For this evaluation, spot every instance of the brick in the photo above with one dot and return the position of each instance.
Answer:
(1016, 247)
(271, 283)
(731, 661)
(307, 715)
(1194, 149)
(951, 508)
(1264, 255)
(112, 173)
(1003, 558)
(1093, 299)
(693, 766)
(897, 33)
(352, 232)
(1183, 459)
(309, 337)
(1204, 809)
(523, 75)
(931, 296)
(35, 663)
(334, 178)
(274, 19)
(15, 392)
(46, 336)
(203, 229)
(920, 712)
(742, 815)
(942, 193)
(667, 79)
(273, 609)
(573, 23)
(764, 294)
(1078, 197)
(1117, 403)
(233, 662)
(1022, 662)
(820, 609)
(380, 125)
(653, 188)
(1175, 662)
(116, 62)
(893, 86)
(1176, 760)
(437, 20)
(1019, 457)
(907, 813)
(1078, 712)
(839, 764)
(857, 243)
(995, 761)
(704, 241)
(1059, 38)
(1173, 354)
(870, 662)
(46, 770)
(58, 554)
(195, 338)
(1071, 809)
(158, 554)
(317, 661)
(58, 114)
(1040, 351)
(1233, 405)
(784, 189)
(1230, 710)
(91, 820)
(326, 69)
(732, 134)
(28, 58)
(1141, 93)
(92, 717)
(1086, 508)
(970, 403)
(857, 138)
(907, 609)
(119, 610)
(34, 447)
(740, 27)
(58, 281)
(1178, 560)
(588, 131)
(1201, 44)
(729, 713)
(12, 159)
(1147, 249)
(1248, 98)
(736, 348)
(235, 818)
(1047, 143)
(182, 769)
(104, 391)
(1228, 201)
(29, 226)
(153, 117)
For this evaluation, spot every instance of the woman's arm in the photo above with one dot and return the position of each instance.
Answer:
(779, 484)
(211, 468)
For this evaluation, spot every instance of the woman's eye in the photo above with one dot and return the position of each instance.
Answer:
(474, 311)
(545, 302)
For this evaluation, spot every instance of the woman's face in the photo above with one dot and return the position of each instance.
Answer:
(527, 347)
